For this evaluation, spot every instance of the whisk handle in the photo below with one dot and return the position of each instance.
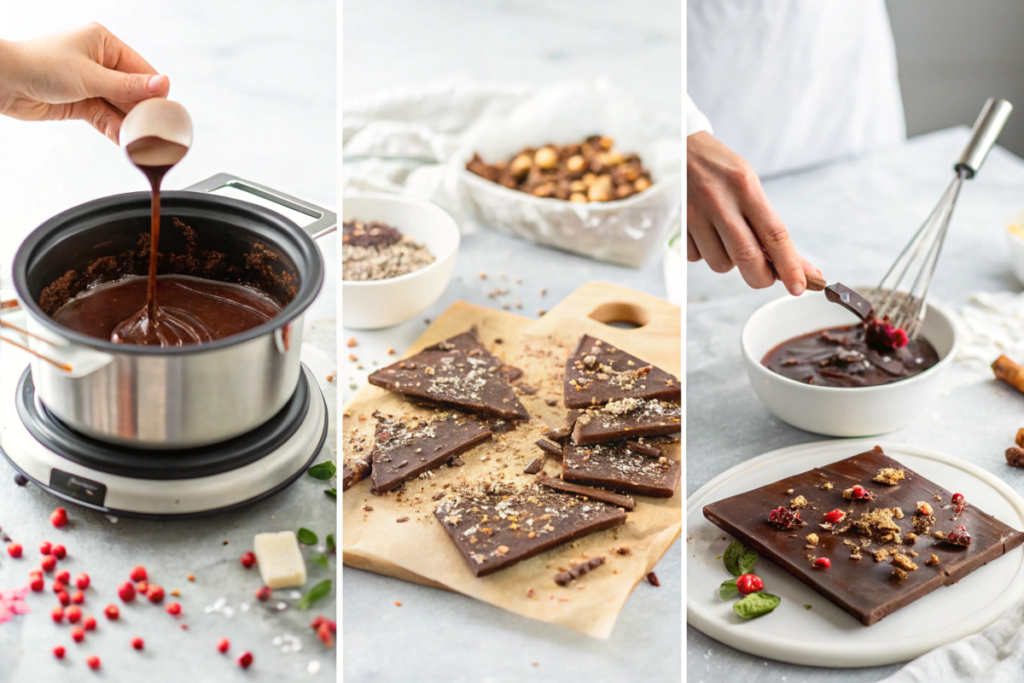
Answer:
(984, 134)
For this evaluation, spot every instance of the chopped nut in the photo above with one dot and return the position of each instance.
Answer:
(798, 503)
(924, 509)
(827, 486)
(934, 559)
(900, 573)
(904, 562)
(812, 539)
(889, 476)
(351, 342)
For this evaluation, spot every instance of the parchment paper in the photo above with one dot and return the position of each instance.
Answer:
(419, 550)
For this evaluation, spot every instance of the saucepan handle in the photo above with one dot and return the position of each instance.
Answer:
(324, 222)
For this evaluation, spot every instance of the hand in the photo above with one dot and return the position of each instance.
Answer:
(86, 74)
(729, 221)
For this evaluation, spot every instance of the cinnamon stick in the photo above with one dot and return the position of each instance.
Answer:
(1008, 371)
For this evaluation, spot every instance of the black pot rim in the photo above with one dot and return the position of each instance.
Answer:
(311, 267)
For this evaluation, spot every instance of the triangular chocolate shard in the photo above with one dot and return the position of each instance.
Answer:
(589, 492)
(497, 527)
(456, 373)
(625, 419)
(598, 372)
(405, 448)
(353, 471)
(623, 466)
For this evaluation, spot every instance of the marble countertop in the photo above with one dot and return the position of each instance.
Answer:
(447, 635)
(259, 81)
(851, 219)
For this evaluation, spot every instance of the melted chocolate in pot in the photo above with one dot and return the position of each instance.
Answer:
(192, 310)
(840, 357)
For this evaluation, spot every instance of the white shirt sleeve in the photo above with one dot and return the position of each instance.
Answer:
(695, 119)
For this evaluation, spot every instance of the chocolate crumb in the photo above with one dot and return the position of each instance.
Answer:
(576, 571)
(652, 579)
(534, 466)
(20, 479)
(400, 520)
(1015, 456)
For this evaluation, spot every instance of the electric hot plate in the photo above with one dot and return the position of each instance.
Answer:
(167, 483)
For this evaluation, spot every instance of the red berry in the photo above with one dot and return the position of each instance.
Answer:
(82, 580)
(89, 623)
(835, 516)
(173, 608)
(126, 591)
(45, 547)
(59, 517)
(138, 573)
(64, 576)
(78, 634)
(959, 536)
(748, 583)
(223, 644)
(14, 550)
(57, 614)
(37, 584)
(93, 661)
(74, 614)
(59, 552)
(315, 624)
(155, 594)
(858, 492)
(248, 560)
(58, 652)
(263, 594)
(48, 563)
(784, 518)
(958, 503)
(64, 598)
(823, 563)
(138, 643)
(58, 586)
(112, 612)
(245, 661)
(325, 636)
(78, 597)
(958, 498)
(141, 587)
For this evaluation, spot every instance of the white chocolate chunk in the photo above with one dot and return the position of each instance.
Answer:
(279, 559)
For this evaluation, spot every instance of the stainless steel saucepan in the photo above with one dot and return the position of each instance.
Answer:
(174, 397)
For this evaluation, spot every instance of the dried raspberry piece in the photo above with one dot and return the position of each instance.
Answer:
(959, 536)
(959, 503)
(881, 334)
(857, 492)
(835, 516)
(784, 518)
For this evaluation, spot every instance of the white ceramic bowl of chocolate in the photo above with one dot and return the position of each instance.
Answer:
(374, 304)
(839, 411)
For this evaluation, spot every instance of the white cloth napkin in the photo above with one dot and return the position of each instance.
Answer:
(995, 655)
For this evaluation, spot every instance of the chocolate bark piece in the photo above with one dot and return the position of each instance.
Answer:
(869, 588)
(456, 373)
(850, 300)
(535, 465)
(560, 434)
(577, 570)
(550, 447)
(590, 492)
(405, 448)
(354, 470)
(628, 418)
(496, 527)
(598, 372)
(620, 466)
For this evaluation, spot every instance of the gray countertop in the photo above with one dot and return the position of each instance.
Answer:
(260, 87)
(851, 219)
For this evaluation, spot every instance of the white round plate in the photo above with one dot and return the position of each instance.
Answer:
(825, 635)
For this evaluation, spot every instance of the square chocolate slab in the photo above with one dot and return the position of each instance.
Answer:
(598, 372)
(496, 527)
(884, 553)
(456, 373)
(620, 466)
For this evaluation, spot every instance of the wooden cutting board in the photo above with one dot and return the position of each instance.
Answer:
(418, 549)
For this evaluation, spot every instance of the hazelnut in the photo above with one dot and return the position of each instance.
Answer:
(520, 166)
(590, 179)
(579, 198)
(575, 164)
(605, 142)
(623, 191)
(612, 159)
(545, 190)
(600, 192)
(578, 186)
(546, 158)
(641, 184)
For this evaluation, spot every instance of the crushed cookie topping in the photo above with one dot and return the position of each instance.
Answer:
(890, 476)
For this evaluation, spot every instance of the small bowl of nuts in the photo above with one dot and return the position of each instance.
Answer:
(578, 169)
(397, 257)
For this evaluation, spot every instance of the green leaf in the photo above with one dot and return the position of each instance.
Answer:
(307, 537)
(320, 560)
(807, 607)
(330, 542)
(323, 471)
(756, 605)
(738, 560)
(333, 493)
(318, 591)
(728, 589)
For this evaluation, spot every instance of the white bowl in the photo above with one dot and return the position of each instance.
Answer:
(373, 304)
(838, 411)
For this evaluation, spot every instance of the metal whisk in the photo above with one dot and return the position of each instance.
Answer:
(916, 263)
